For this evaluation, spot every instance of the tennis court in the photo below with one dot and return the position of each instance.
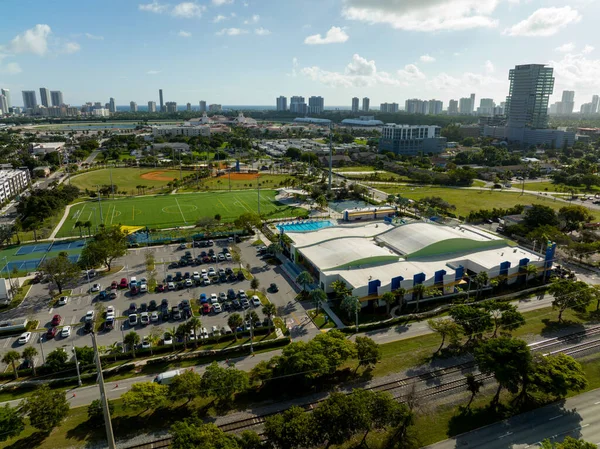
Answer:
(31, 264)
(63, 246)
(30, 249)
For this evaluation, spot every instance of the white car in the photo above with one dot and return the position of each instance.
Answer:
(96, 288)
(170, 286)
(143, 288)
(63, 300)
(222, 296)
(213, 298)
(144, 318)
(242, 294)
(110, 312)
(211, 271)
(192, 335)
(65, 332)
(196, 276)
(204, 273)
(24, 338)
(228, 256)
(215, 331)
(89, 316)
(206, 281)
(204, 333)
(217, 308)
(154, 317)
(167, 339)
(189, 283)
(256, 301)
(146, 343)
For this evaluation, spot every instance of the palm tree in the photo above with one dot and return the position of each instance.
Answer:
(88, 225)
(235, 320)
(183, 330)
(153, 338)
(114, 349)
(481, 279)
(172, 332)
(29, 354)
(304, 279)
(132, 339)
(254, 283)
(530, 270)
(473, 387)
(270, 311)
(389, 298)
(10, 358)
(79, 224)
(317, 296)
(399, 293)
(419, 291)
(194, 324)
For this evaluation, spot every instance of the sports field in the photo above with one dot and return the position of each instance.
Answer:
(126, 179)
(240, 181)
(164, 211)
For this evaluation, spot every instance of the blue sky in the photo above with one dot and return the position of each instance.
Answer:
(250, 51)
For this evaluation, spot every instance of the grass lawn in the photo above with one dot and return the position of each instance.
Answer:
(469, 200)
(360, 141)
(548, 186)
(126, 179)
(319, 319)
(222, 182)
(354, 168)
(386, 176)
(479, 183)
(163, 211)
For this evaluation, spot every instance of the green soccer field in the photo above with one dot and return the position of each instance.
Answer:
(165, 211)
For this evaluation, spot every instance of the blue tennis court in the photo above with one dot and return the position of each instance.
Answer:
(31, 264)
(29, 249)
(63, 246)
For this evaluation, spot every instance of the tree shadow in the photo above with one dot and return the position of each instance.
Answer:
(86, 430)
(33, 440)
(553, 328)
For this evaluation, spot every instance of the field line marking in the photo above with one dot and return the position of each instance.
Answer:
(113, 215)
(79, 215)
(132, 212)
(242, 204)
(222, 204)
(248, 207)
(180, 211)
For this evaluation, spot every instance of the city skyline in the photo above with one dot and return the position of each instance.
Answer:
(332, 56)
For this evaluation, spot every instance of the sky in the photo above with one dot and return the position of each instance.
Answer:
(248, 52)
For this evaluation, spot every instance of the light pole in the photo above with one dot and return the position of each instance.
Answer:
(110, 437)
(42, 351)
(100, 204)
(77, 366)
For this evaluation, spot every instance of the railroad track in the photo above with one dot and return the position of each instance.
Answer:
(427, 392)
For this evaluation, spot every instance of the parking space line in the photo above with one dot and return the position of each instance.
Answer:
(6, 342)
(73, 319)
(50, 310)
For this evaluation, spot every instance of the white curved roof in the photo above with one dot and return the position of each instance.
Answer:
(302, 239)
(340, 252)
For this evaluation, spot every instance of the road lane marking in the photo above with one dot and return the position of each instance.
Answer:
(505, 435)
(6, 342)
(556, 417)
(596, 403)
(50, 311)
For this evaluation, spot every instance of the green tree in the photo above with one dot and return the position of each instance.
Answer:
(11, 358)
(132, 339)
(60, 270)
(341, 416)
(572, 217)
(368, 352)
(29, 354)
(223, 383)
(85, 355)
(569, 294)
(194, 324)
(250, 440)
(96, 413)
(38, 405)
(568, 443)
(110, 243)
(304, 279)
(538, 215)
(530, 270)
(56, 360)
(418, 292)
(473, 320)
(389, 298)
(254, 284)
(192, 433)
(446, 329)
(340, 289)
(269, 310)
(508, 360)
(234, 321)
(145, 395)
(248, 221)
(473, 386)
(351, 304)
(481, 280)
(557, 375)
(318, 297)
(321, 201)
(292, 429)
(11, 422)
(79, 224)
(186, 385)
(504, 315)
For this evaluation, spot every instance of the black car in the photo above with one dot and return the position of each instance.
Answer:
(178, 276)
(188, 255)
(132, 307)
(173, 265)
(203, 254)
(152, 306)
(184, 305)
(211, 252)
(231, 293)
(228, 271)
(88, 326)
(165, 314)
(164, 303)
(273, 288)
(183, 263)
(226, 306)
(143, 307)
(231, 278)
(196, 244)
(186, 275)
(169, 278)
(236, 304)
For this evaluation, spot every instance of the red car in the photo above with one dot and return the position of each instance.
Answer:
(51, 332)
(56, 319)
(206, 308)
(124, 283)
(160, 288)
(133, 290)
(114, 285)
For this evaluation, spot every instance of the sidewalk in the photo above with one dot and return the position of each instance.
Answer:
(333, 316)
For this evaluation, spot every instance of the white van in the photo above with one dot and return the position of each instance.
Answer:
(167, 377)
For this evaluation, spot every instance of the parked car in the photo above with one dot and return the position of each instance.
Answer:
(143, 288)
(109, 323)
(245, 303)
(132, 307)
(196, 276)
(110, 312)
(123, 283)
(182, 246)
(144, 318)
(167, 339)
(189, 283)
(242, 294)
(146, 343)
(256, 301)
(231, 293)
(103, 295)
(51, 332)
(56, 319)
(133, 319)
(206, 308)
(152, 305)
(217, 308)
(154, 317)
(24, 338)
(65, 332)
(143, 307)
(63, 300)
(112, 295)
(114, 285)
(96, 288)
(133, 290)
(236, 304)
(178, 276)
(203, 298)
(213, 298)
(170, 286)
(222, 297)
(175, 313)
(88, 327)
(89, 316)
(164, 303)
(160, 288)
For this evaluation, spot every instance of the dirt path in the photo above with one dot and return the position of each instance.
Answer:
(61, 222)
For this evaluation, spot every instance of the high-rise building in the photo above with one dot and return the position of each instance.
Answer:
(188, 107)
(472, 103)
(45, 97)
(453, 107)
(365, 104)
(133, 106)
(160, 98)
(6, 93)
(527, 103)
(486, 107)
(411, 140)
(152, 106)
(3, 104)
(355, 102)
(465, 106)
(416, 106)
(112, 108)
(29, 100)
(202, 106)
(57, 98)
(567, 102)
(316, 105)
(298, 105)
(281, 103)
(171, 106)
(586, 109)
(390, 108)
(434, 107)
(215, 107)
(595, 103)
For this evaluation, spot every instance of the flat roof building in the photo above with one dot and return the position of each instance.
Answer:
(411, 140)
(13, 182)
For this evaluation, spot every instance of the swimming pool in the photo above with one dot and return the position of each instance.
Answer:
(305, 226)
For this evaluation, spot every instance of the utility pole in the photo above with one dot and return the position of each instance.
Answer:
(258, 186)
(110, 437)
(112, 187)
(77, 366)
(100, 205)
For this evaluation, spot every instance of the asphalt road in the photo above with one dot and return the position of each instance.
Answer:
(578, 417)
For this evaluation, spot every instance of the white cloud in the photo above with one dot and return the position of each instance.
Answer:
(294, 67)
(335, 35)
(219, 18)
(246, 4)
(587, 49)
(12, 68)
(254, 19)
(427, 58)
(152, 72)
(262, 31)
(71, 47)
(489, 67)
(423, 15)
(34, 40)
(155, 7)
(184, 34)
(467, 81)
(360, 72)
(410, 73)
(544, 22)
(188, 10)
(576, 71)
(93, 37)
(222, 2)
(231, 32)
(566, 48)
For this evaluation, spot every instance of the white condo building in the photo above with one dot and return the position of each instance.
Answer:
(13, 182)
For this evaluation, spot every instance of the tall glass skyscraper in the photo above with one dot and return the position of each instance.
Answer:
(527, 103)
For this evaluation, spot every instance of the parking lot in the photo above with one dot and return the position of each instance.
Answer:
(82, 300)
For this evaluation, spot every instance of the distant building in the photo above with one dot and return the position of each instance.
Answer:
(465, 106)
(56, 97)
(13, 182)
(6, 93)
(366, 104)
(411, 140)
(45, 97)
(188, 107)
(316, 121)
(152, 106)
(44, 148)
(586, 109)
(298, 105)
(355, 104)
(3, 105)
(171, 106)
(567, 104)
(281, 103)
(202, 106)
(160, 99)
(316, 105)
(181, 130)
(390, 108)
(486, 106)
(416, 106)
(133, 106)
(453, 107)
(595, 104)
(215, 108)
(101, 112)
(435, 107)
(29, 100)
(362, 121)
(112, 108)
